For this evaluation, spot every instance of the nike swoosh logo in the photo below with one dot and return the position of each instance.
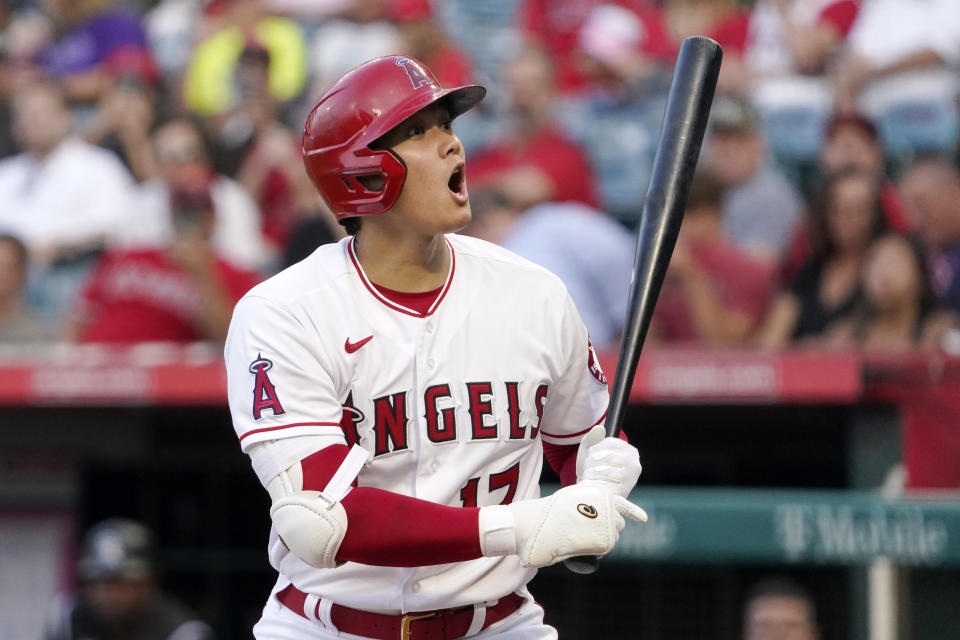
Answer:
(350, 347)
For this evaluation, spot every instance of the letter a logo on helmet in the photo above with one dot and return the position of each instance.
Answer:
(417, 77)
(353, 113)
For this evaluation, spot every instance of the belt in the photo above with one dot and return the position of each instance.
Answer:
(443, 624)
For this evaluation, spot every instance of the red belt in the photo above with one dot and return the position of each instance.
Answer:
(444, 624)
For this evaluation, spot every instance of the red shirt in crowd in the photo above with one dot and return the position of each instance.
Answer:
(548, 150)
(730, 33)
(741, 282)
(142, 296)
(556, 27)
(840, 14)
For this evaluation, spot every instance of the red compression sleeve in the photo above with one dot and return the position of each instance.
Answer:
(387, 529)
(391, 530)
(563, 459)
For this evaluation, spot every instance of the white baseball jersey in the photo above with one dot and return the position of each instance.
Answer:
(451, 404)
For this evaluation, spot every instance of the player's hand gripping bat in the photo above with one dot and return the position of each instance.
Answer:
(684, 124)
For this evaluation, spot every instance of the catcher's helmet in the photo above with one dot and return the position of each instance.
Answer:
(351, 114)
(117, 549)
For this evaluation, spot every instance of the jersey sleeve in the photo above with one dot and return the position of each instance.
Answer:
(577, 400)
(280, 383)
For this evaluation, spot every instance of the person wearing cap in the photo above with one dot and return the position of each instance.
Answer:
(119, 596)
(95, 36)
(760, 206)
(617, 115)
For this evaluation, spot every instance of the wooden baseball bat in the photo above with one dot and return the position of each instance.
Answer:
(684, 124)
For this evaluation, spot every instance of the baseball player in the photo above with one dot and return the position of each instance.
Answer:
(396, 392)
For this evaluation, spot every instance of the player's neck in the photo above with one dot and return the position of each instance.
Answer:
(405, 263)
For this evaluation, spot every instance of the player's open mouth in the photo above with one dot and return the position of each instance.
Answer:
(458, 183)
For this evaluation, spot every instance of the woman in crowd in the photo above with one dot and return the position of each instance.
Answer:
(898, 310)
(846, 220)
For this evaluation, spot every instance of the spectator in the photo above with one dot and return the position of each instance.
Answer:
(724, 21)
(19, 321)
(778, 608)
(617, 116)
(852, 142)
(847, 218)
(556, 28)
(119, 593)
(179, 293)
(591, 254)
(900, 48)
(256, 149)
(422, 38)
(714, 294)
(898, 310)
(790, 44)
(60, 195)
(533, 161)
(210, 86)
(182, 159)
(125, 115)
(790, 37)
(361, 31)
(761, 207)
(931, 195)
(173, 27)
(92, 34)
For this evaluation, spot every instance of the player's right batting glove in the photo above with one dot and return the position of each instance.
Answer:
(582, 519)
(612, 461)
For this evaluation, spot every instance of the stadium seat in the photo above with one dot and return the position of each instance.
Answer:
(919, 125)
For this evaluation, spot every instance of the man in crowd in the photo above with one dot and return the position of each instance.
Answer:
(182, 292)
(534, 161)
(931, 197)
(714, 293)
(119, 593)
(760, 206)
(778, 608)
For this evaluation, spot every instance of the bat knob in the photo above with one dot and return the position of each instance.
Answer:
(582, 564)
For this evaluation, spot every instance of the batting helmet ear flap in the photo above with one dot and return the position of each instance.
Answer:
(347, 188)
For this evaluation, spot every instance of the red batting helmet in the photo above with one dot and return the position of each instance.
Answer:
(357, 109)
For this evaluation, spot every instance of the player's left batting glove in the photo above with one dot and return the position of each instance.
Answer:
(611, 461)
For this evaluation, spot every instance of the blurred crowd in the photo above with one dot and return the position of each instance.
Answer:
(150, 170)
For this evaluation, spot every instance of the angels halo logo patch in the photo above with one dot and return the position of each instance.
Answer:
(593, 364)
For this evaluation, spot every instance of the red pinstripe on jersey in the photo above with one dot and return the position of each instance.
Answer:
(290, 426)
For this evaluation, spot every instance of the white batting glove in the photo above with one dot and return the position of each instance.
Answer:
(582, 519)
(610, 461)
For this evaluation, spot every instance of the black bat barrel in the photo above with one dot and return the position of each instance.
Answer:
(684, 125)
